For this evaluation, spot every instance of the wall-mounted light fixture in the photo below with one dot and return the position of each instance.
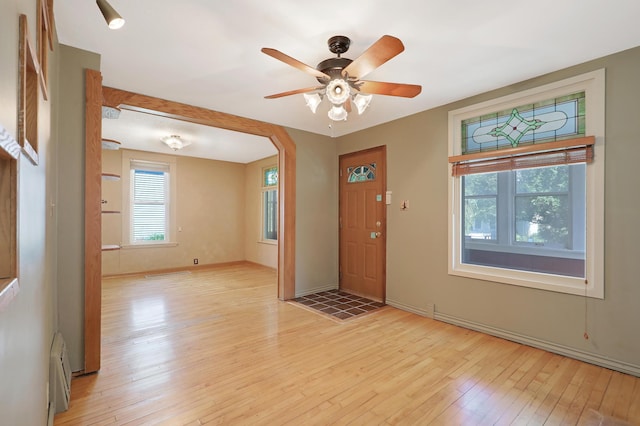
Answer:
(113, 18)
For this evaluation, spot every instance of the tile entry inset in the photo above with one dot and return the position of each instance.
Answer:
(339, 304)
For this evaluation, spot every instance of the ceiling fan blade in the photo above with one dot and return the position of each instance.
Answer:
(377, 54)
(389, 89)
(294, 62)
(293, 92)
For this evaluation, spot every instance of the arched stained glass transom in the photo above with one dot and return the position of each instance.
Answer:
(361, 173)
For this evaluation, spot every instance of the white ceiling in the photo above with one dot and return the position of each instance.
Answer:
(144, 132)
(207, 53)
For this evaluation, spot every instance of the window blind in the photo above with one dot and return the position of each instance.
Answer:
(149, 215)
(570, 151)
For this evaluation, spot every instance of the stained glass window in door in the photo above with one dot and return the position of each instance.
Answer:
(361, 173)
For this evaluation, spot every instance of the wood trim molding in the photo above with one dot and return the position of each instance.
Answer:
(96, 96)
(278, 136)
(9, 153)
(28, 75)
(9, 147)
(93, 221)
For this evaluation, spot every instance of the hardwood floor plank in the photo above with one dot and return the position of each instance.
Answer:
(215, 346)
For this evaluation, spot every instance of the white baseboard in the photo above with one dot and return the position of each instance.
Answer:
(422, 312)
(51, 413)
(591, 358)
(613, 364)
(317, 290)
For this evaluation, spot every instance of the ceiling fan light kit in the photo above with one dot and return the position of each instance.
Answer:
(337, 113)
(113, 18)
(362, 102)
(341, 78)
(338, 91)
(313, 100)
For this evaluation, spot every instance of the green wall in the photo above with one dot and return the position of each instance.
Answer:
(70, 225)
(417, 277)
(27, 324)
(316, 212)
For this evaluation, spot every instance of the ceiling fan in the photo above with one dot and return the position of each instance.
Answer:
(341, 78)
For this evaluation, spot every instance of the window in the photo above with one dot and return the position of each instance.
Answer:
(149, 201)
(361, 173)
(270, 204)
(526, 191)
(530, 220)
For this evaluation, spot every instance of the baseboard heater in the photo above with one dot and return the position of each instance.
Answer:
(59, 375)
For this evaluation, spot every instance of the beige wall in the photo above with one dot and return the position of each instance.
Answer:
(28, 322)
(210, 216)
(417, 238)
(256, 250)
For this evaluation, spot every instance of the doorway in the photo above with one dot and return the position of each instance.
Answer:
(96, 96)
(363, 223)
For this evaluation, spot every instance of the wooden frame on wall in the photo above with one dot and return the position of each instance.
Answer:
(28, 75)
(45, 42)
(9, 153)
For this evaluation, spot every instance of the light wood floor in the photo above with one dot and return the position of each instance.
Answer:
(217, 347)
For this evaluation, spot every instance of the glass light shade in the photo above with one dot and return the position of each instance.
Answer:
(362, 102)
(337, 113)
(338, 91)
(175, 142)
(313, 100)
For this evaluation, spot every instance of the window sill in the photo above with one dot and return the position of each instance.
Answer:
(9, 289)
(147, 246)
(524, 249)
(269, 242)
(540, 281)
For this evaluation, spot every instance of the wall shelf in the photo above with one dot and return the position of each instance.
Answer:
(110, 176)
(110, 247)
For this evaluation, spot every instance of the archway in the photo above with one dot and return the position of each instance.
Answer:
(96, 96)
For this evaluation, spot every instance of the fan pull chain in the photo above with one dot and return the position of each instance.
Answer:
(586, 334)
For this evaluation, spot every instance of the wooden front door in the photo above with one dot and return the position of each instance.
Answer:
(363, 220)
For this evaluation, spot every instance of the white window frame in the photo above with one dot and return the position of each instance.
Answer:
(506, 233)
(593, 84)
(127, 200)
(264, 190)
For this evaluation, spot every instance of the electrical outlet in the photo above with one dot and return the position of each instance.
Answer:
(195, 261)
